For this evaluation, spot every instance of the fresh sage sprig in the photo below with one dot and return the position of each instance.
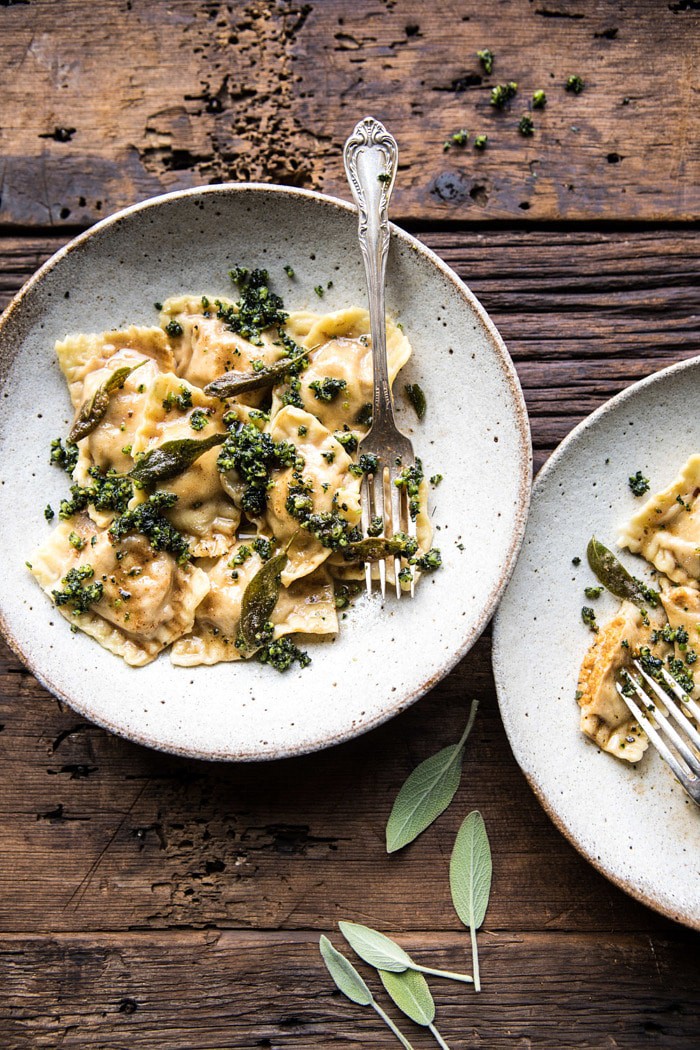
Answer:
(259, 600)
(384, 954)
(94, 409)
(427, 792)
(349, 982)
(409, 990)
(470, 879)
(231, 383)
(170, 459)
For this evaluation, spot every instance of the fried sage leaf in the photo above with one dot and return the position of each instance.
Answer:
(616, 578)
(416, 396)
(259, 599)
(232, 383)
(171, 458)
(376, 548)
(93, 410)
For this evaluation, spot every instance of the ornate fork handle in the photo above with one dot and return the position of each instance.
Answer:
(371, 157)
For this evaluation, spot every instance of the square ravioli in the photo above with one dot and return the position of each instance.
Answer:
(337, 386)
(666, 530)
(174, 410)
(205, 347)
(307, 606)
(130, 598)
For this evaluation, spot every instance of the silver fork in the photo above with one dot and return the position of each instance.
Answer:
(679, 744)
(371, 157)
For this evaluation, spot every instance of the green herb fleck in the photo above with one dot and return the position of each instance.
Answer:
(148, 519)
(486, 57)
(76, 541)
(481, 141)
(575, 84)
(539, 99)
(458, 138)
(199, 419)
(174, 329)
(526, 126)
(588, 617)
(410, 479)
(75, 592)
(281, 654)
(181, 401)
(415, 395)
(593, 592)
(64, 457)
(327, 389)
(319, 290)
(501, 94)
(638, 484)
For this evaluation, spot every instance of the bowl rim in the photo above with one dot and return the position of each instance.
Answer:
(520, 513)
(626, 884)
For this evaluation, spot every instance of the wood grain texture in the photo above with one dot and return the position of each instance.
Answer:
(215, 990)
(214, 91)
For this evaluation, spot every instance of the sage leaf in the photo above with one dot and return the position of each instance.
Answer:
(259, 599)
(376, 548)
(417, 398)
(170, 459)
(351, 984)
(612, 573)
(231, 383)
(94, 409)
(410, 992)
(470, 879)
(427, 792)
(344, 974)
(381, 952)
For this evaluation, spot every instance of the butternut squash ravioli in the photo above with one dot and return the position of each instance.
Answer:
(215, 480)
(659, 627)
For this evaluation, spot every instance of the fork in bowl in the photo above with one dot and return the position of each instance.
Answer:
(371, 157)
(679, 744)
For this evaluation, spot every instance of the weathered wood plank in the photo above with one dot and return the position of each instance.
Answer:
(96, 833)
(215, 91)
(209, 990)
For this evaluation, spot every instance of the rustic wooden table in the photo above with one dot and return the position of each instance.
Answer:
(153, 902)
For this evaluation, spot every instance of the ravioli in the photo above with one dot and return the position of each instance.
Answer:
(325, 477)
(605, 717)
(666, 530)
(183, 587)
(204, 513)
(147, 601)
(307, 606)
(343, 354)
(207, 348)
(88, 361)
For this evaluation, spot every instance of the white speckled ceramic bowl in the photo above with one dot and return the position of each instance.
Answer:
(636, 825)
(475, 433)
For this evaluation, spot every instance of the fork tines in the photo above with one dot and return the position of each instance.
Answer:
(679, 744)
(382, 499)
